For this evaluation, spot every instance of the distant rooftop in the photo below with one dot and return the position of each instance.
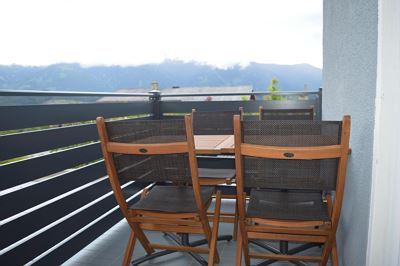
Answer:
(182, 90)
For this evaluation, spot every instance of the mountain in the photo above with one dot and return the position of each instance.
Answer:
(170, 73)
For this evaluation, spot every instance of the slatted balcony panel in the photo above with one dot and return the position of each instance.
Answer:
(15, 117)
(43, 241)
(35, 207)
(29, 223)
(74, 245)
(20, 172)
(31, 196)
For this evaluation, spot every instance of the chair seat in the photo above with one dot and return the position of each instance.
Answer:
(177, 199)
(217, 173)
(287, 205)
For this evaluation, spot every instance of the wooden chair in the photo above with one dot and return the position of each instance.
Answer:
(217, 123)
(214, 122)
(292, 169)
(286, 114)
(283, 114)
(160, 151)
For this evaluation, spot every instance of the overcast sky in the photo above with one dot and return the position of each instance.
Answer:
(217, 32)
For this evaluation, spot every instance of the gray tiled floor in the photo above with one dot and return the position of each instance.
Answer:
(109, 248)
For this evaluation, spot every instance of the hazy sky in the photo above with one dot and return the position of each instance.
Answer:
(218, 32)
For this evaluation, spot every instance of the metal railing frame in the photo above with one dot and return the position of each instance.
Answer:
(149, 94)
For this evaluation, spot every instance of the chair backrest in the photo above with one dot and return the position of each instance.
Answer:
(147, 150)
(214, 122)
(301, 155)
(286, 114)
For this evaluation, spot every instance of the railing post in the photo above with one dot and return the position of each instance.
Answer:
(319, 104)
(154, 99)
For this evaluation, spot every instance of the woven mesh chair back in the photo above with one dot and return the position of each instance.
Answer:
(154, 168)
(213, 122)
(287, 114)
(318, 174)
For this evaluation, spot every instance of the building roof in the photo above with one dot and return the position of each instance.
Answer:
(183, 90)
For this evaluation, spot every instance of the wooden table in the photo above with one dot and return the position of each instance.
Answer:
(214, 144)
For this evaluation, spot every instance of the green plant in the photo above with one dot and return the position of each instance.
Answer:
(274, 89)
(244, 98)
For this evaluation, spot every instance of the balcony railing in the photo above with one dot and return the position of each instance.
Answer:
(55, 196)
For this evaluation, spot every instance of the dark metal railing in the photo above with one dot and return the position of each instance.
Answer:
(66, 93)
(80, 93)
(54, 194)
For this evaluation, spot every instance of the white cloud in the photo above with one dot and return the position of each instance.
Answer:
(218, 32)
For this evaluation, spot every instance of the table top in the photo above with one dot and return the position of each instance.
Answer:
(214, 144)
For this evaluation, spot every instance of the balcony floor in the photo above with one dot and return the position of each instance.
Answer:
(109, 248)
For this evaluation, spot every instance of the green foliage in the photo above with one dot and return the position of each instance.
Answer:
(274, 89)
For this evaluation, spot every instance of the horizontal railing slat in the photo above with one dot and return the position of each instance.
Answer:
(246, 117)
(15, 117)
(21, 144)
(23, 226)
(247, 93)
(17, 173)
(248, 106)
(46, 240)
(31, 196)
(283, 104)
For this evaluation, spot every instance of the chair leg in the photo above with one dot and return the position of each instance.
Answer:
(239, 247)
(213, 255)
(245, 242)
(207, 231)
(235, 223)
(129, 249)
(327, 249)
(142, 238)
(334, 254)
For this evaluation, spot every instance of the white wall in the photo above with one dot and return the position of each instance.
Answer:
(384, 234)
(349, 87)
